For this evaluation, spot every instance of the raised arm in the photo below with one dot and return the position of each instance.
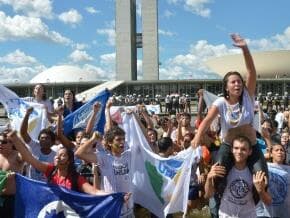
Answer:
(212, 113)
(24, 126)
(251, 70)
(25, 153)
(146, 117)
(260, 182)
(109, 122)
(59, 127)
(84, 151)
(215, 171)
(200, 104)
(92, 119)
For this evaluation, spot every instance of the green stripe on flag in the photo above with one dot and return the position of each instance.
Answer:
(3, 179)
(156, 179)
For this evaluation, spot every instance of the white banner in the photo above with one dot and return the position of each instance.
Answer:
(159, 184)
(16, 109)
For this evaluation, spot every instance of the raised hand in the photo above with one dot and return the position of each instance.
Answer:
(29, 110)
(109, 103)
(238, 41)
(96, 107)
(260, 181)
(216, 170)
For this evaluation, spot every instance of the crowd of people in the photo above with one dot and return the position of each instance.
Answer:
(232, 175)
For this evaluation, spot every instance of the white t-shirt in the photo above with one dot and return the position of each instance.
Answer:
(237, 199)
(116, 175)
(34, 147)
(280, 119)
(47, 103)
(232, 116)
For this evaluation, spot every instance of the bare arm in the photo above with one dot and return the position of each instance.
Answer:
(215, 171)
(24, 126)
(92, 119)
(25, 153)
(109, 122)
(260, 181)
(212, 113)
(83, 152)
(251, 70)
(89, 189)
(200, 104)
(63, 139)
(146, 117)
(179, 136)
(96, 179)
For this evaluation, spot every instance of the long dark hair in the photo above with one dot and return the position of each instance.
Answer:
(71, 169)
(225, 83)
(44, 90)
(73, 94)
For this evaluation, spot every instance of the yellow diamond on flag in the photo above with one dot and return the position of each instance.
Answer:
(32, 125)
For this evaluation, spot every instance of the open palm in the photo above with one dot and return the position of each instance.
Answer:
(238, 40)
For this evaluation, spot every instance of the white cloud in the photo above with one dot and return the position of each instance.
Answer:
(18, 58)
(92, 10)
(278, 41)
(108, 58)
(165, 33)
(19, 74)
(81, 46)
(22, 27)
(32, 8)
(80, 56)
(197, 7)
(139, 69)
(168, 14)
(71, 17)
(138, 8)
(110, 33)
(103, 74)
(184, 65)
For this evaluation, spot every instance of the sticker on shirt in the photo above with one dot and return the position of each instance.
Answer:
(120, 169)
(239, 189)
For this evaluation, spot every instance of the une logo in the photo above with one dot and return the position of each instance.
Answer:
(57, 209)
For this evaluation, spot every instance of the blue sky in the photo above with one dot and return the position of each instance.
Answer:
(38, 34)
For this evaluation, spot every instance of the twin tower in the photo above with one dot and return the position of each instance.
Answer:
(128, 40)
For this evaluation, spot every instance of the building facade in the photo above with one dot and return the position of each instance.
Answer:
(128, 40)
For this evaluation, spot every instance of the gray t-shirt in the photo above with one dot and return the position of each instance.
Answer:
(237, 199)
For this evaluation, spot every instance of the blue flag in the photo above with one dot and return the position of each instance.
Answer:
(39, 199)
(79, 118)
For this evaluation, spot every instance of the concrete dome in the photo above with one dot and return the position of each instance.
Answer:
(64, 74)
(269, 64)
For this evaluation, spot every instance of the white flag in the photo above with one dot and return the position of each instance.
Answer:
(159, 184)
(16, 109)
(279, 188)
